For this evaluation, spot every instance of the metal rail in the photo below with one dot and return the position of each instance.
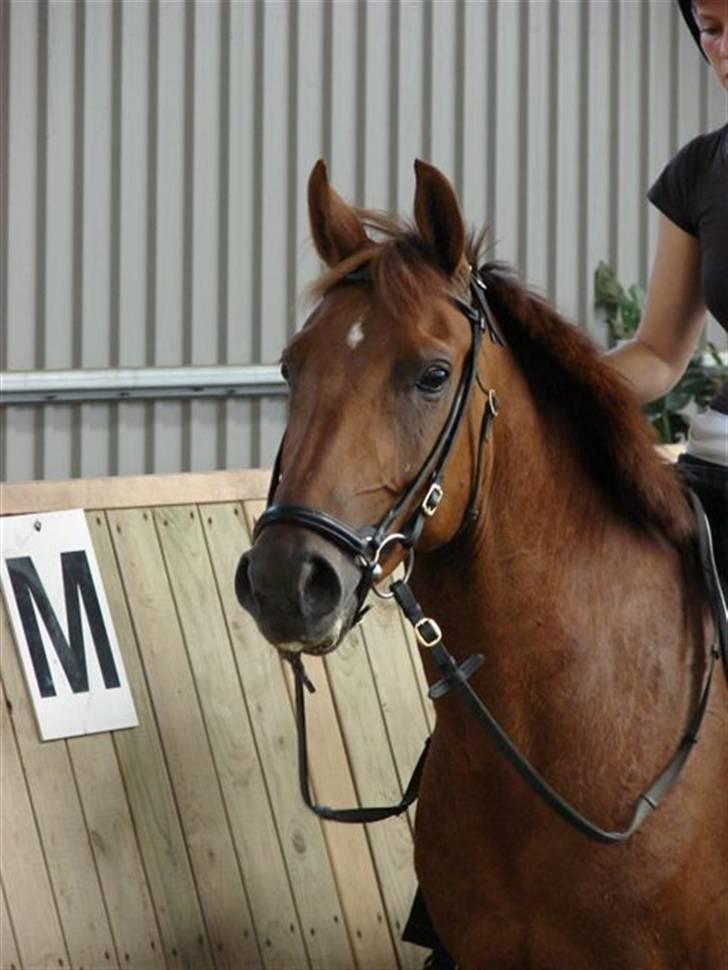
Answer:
(140, 383)
(144, 383)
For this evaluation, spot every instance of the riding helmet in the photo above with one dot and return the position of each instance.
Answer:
(686, 8)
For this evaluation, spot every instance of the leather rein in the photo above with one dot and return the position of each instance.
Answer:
(367, 547)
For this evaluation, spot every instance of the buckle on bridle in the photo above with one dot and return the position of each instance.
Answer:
(431, 501)
(428, 632)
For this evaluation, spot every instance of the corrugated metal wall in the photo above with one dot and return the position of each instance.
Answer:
(154, 158)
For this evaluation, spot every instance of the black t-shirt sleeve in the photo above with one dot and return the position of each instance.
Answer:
(672, 193)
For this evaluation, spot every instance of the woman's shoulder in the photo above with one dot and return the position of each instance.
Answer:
(693, 179)
(702, 151)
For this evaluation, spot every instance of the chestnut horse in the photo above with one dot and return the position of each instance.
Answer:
(562, 550)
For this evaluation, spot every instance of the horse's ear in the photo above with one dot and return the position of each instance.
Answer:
(336, 229)
(438, 217)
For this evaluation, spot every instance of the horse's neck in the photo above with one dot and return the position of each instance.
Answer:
(554, 587)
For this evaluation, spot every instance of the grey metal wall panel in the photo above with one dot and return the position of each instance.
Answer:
(154, 159)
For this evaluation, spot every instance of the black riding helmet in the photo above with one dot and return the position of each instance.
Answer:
(686, 8)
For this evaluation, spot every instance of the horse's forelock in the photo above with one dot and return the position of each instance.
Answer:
(404, 269)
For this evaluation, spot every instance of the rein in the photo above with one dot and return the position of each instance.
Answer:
(368, 545)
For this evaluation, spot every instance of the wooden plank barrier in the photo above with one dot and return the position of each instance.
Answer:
(183, 843)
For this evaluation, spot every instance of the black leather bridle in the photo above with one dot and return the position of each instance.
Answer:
(367, 546)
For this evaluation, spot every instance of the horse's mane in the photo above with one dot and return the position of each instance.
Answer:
(578, 390)
(573, 386)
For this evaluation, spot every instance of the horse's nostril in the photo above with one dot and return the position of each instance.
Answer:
(320, 588)
(243, 588)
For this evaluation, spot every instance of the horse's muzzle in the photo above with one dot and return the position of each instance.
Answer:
(299, 588)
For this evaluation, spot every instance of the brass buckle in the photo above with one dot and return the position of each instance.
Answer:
(422, 638)
(431, 501)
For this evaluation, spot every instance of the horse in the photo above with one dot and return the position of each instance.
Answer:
(557, 543)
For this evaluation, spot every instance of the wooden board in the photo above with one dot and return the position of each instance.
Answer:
(9, 954)
(116, 852)
(304, 848)
(184, 738)
(351, 860)
(376, 781)
(136, 491)
(64, 837)
(183, 843)
(404, 703)
(149, 790)
(31, 903)
(228, 727)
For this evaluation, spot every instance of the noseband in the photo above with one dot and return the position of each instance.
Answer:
(368, 545)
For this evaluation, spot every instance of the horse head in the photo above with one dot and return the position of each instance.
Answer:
(375, 375)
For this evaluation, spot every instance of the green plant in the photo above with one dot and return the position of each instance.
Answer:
(622, 310)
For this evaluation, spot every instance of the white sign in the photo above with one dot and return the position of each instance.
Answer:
(62, 625)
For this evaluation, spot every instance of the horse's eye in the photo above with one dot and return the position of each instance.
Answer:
(284, 369)
(433, 379)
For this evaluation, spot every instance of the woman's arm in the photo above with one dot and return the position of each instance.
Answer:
(656, 357)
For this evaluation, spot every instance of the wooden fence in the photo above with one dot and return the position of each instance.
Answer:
(184, 842)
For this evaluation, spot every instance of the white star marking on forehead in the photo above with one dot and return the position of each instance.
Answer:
(355, 335)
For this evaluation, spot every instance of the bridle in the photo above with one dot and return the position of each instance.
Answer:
(367, 547)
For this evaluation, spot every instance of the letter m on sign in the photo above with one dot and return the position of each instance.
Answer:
(79, 590)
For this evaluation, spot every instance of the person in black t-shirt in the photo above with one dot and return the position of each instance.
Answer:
(690, 274)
